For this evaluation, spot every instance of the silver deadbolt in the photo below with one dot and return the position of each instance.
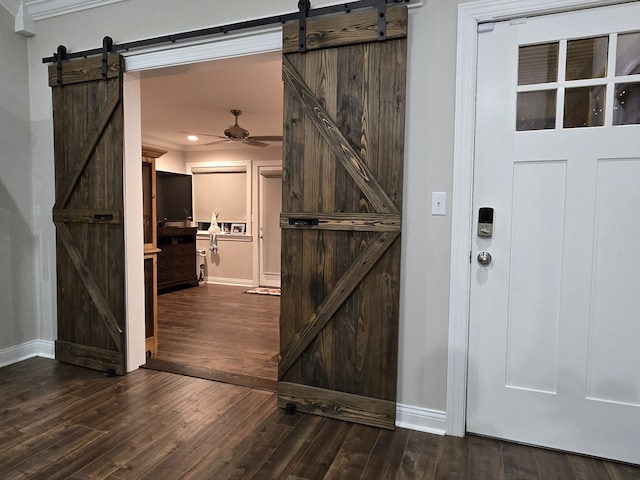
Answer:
(484, 258)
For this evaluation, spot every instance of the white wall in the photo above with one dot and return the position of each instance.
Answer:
(429, 152)
(233, 261)
(172, 161)
(18, 286)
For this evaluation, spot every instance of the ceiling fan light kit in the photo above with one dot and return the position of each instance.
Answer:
(235, 133)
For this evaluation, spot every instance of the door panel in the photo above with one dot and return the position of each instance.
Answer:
(88, 213)
(551, 362)
(270, 198)
(342, 199)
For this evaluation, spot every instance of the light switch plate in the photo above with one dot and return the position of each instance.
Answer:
(438, 203)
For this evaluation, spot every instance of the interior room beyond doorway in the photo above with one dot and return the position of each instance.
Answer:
(216, 330)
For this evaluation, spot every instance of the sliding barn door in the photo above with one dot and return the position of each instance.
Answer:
(344, 114)
(88, 212)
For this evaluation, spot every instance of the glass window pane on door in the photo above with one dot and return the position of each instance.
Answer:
(628, 56)
(587, 58)
(626, 108)
(538, 64)
(584, 107)
(536, 110)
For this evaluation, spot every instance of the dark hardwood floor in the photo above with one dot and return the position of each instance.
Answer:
(221, 333)
(58, 421)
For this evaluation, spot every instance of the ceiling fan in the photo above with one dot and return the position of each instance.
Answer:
(236, 133)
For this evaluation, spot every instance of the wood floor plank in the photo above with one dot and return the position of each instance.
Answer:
(619, 471)
(585, 468)
(552, 465)
(290, 451)
(224, 430)
(453, 459)
(28, 446)
(246, 458)
(420, 456)
(354, 454)
(35, 465)
(519, 462)
(323, 450)
(220, 328)
(485, 458)
(387, 454)
(88, 460)
(215, 453)
(166, 426)
(106, 406)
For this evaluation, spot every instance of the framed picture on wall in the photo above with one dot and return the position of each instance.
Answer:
(238, 228)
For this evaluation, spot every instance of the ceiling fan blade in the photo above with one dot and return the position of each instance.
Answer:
(266, 138)
(202, 134)
(254, 143)
(218, 141)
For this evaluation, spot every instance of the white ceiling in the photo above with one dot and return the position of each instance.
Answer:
(198, 98)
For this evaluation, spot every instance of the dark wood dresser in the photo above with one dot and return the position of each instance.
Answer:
(177, 259)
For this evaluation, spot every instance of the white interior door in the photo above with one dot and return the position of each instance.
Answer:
(554, 352)
(270, 193)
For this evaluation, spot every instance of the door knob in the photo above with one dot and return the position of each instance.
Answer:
(484, 258)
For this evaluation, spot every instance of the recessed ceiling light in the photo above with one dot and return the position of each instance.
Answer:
(192, 138)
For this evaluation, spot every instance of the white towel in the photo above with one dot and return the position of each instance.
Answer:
(214, 230)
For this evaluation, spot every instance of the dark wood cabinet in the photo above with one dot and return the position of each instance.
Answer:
(177, 259)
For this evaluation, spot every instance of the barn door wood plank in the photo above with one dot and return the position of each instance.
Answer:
(345, 286)
(339, 30)
(345, 153)
(361, 222)
(107, 216)
(94, 290)
(86, 70)
(90, 357)
(110, 108)
(339, 405)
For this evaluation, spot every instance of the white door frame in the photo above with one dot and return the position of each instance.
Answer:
(470, 15)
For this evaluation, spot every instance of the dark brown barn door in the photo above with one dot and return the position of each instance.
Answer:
(342, 200)
(88, 212)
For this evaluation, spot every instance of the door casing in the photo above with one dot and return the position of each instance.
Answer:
(470, 17)
(258, 167)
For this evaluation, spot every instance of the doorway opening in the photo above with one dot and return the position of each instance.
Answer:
(210, 326)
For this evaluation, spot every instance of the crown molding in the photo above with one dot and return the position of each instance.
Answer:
(43, 9)
(26, 13)
(29, 11)
(11, 6)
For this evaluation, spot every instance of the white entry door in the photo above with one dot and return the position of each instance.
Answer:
(554, 352)
(270, 192)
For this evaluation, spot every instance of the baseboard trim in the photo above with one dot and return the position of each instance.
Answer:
(421, 419)
(240, 282)
(34, 348)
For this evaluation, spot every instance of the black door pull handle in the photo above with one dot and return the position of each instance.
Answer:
(303, 222)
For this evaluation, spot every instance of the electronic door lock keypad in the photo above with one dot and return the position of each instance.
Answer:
(485, 222)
